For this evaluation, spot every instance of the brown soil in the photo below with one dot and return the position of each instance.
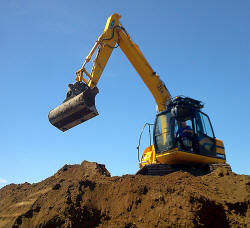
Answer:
(86, 196)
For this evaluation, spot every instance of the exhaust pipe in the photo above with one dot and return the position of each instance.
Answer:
(78, 107)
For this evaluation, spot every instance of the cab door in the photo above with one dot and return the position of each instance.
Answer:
(204, 134)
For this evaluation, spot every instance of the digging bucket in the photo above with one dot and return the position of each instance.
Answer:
(78, 107)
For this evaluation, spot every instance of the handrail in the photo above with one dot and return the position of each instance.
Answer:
(149, 131)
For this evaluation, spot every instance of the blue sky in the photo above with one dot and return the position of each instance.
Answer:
(199, 48)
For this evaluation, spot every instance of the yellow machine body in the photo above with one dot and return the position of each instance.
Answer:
(177, 156)
(80, 103)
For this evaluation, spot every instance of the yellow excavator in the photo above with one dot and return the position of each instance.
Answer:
(183, 137)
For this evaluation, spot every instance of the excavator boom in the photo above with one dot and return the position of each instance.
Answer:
(79, 105)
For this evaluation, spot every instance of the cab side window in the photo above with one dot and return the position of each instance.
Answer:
(203, 125)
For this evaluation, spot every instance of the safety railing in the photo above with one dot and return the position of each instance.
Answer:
(150, 140)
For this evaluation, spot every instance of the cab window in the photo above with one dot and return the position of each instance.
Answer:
(203, 125)
(163, 132)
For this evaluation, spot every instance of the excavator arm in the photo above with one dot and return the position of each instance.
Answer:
(114, 34)
(79, 105)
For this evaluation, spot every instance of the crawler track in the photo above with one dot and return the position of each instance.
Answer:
(194, 169)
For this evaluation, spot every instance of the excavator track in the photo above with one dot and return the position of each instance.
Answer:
(214, 166)
(194, 169)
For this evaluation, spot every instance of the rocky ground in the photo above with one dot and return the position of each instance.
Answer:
(87, 196)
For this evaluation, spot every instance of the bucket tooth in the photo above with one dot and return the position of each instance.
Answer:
(78, 107)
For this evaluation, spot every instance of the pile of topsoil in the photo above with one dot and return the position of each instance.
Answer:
(86, 196)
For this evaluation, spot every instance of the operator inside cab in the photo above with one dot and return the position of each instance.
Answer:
(184, 135)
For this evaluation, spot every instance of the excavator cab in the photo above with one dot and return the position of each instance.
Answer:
(79, 106)
(200, 139)
(172, 152)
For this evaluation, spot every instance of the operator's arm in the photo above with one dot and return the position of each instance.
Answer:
(115, 34)
(188, 129)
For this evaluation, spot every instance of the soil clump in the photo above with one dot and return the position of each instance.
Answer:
(87, 196)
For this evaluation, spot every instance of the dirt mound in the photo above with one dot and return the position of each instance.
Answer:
(86, 196)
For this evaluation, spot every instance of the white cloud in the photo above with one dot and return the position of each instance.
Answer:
(2, 181)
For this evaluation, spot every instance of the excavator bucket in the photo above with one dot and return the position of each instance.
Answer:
(79, 106)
